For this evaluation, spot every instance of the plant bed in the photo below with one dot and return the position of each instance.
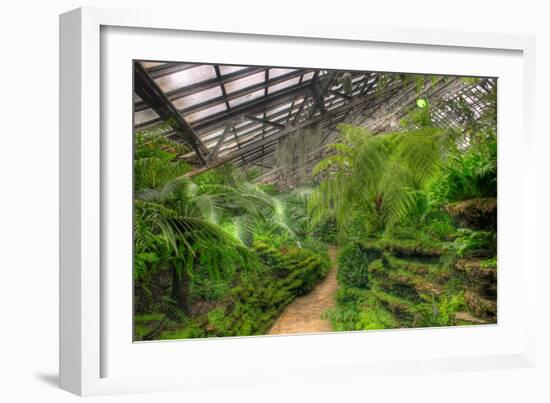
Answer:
(478, 213)
(480, 306)
(408, 249)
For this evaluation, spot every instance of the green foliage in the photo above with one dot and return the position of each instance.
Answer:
(350, 303)
(357, 310)
(320, 248)
(217, 255)
(377, 181)
(474, 243)
(438, 311)
(417, 117)
(466, 175)
(229, 175)
(258, 296)
(183, 226)
(353, 264)
(155, 160)
(489, 263)
(326, 231)
(439, 226)
(146, 325)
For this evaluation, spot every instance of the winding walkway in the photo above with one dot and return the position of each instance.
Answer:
(303, 315)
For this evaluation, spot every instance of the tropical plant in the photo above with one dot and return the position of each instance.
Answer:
(474, 243)
(180, 225)
(380, 179)
(155, 160)
(353, 264)
(440, 311)
(466, 174)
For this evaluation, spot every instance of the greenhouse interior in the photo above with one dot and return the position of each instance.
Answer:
(284, 200)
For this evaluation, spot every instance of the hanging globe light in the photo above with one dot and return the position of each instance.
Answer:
(421, 103)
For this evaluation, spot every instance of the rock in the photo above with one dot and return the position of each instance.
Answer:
(470, 319)
(483, 307)
(481, 280)
(480, 213)
(474, 270)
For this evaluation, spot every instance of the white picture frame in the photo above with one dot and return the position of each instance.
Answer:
(91, 340)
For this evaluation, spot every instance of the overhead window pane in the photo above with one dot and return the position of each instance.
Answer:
(212, 135)
(335, 105)
(245, 82)
(278, 109)
(186, 77)
(227, 146)
(230, 69)
(148, 65)
(283, 85)
(144, 116)
(198, 97)
(246, 98)
(307, 76)
(274, 73)
(205, 112)
(248, 129)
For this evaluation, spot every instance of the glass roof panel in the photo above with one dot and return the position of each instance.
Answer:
(248, 81)
(283, 85)
(198, 97)
(186, 77)
(278, 109)
(243, 123)
(273, 73)
(148, 65)
(307, 76)
(248, 129)
(230, 69)
(212, 135)
(144, 116)
(205, 112)
(335, 104)
(251, 133)
(208, 100)
(246, 98)
(226, 147)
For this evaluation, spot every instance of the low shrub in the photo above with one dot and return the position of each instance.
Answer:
(438, 311)
(356, 309)
(326, 231)
(257, 297)
(474, 243)
(353, 264)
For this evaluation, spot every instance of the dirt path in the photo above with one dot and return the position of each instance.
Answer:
(303, 315)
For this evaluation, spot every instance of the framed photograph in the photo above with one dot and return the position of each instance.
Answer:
(262, 204)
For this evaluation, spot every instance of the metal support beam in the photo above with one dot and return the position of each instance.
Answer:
(168, 68)
(255, 106)
(216, 150)
(253, 145)
(341, 95)
(224, 93)
(205, 85)
(265, 121)
(319, 93)
(302, 105)
(149, 92)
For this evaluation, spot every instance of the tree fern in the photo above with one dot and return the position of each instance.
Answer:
(379, 178)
